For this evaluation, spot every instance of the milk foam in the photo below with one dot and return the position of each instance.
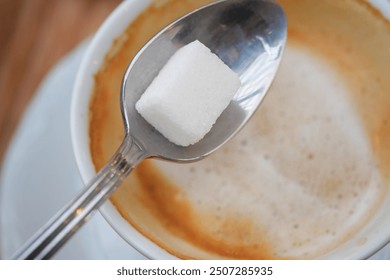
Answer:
(301, 171)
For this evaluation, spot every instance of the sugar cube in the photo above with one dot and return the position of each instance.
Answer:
(189, 94)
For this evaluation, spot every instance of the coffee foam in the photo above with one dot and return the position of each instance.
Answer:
(303, 176)
(303, 158)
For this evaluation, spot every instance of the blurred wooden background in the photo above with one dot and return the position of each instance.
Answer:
(34, 35)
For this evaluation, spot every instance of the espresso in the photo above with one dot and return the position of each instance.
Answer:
(307, 172)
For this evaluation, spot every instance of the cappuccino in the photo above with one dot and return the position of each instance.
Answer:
(307, 172)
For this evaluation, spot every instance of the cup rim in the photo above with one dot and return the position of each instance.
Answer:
(99, 46)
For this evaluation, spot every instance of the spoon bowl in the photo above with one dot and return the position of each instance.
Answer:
(248, 35)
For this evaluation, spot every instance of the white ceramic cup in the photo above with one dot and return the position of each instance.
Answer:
(373, 237)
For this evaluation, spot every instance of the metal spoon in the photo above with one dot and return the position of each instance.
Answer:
(248, 35)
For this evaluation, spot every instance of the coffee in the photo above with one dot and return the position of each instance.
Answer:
(307, 172)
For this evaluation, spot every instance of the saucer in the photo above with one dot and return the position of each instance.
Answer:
(40, 175)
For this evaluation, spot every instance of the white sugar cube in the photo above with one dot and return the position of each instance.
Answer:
(189, 94)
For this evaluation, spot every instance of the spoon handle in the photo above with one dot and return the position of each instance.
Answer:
(66, 222)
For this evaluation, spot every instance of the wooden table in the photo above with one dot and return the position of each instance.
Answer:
(34, 35)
